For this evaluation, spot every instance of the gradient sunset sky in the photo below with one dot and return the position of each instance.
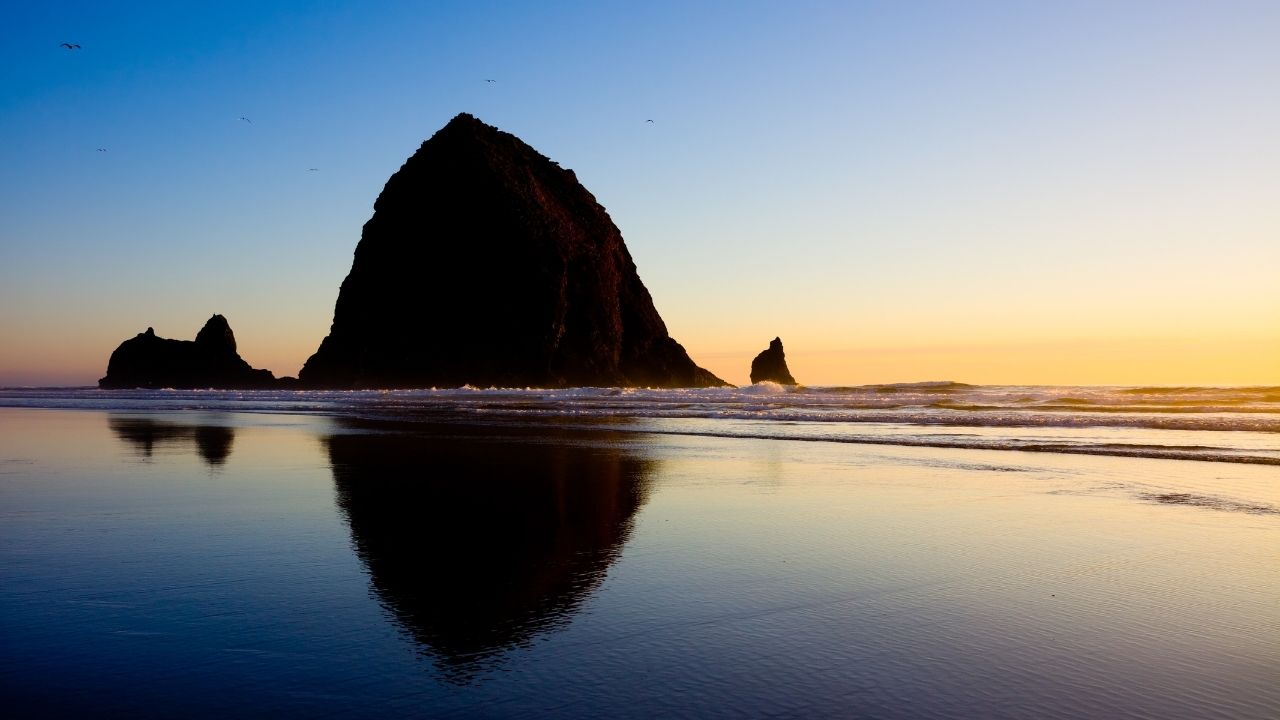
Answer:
(987, 192)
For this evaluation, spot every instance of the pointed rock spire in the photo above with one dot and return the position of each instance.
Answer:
(771, 365)
(217, 336)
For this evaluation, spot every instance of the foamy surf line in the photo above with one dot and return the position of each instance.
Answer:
(1135, 451)
(1126, 422)
(895, 436)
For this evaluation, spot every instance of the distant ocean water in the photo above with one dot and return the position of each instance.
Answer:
(1225, 424)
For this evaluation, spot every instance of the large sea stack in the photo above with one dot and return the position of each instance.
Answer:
(210, 361)
(487, 264)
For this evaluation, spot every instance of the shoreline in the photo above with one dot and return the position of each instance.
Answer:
(551, 569)
(1251, 437)
(574, 569)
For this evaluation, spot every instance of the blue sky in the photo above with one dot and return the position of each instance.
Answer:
(989, 191)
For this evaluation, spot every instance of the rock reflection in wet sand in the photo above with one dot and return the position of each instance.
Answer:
(212, 442)
(477, 544)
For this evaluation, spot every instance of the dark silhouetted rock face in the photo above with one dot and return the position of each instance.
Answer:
(210, 361)
(771, 365)
(478, 545)
(485, 263)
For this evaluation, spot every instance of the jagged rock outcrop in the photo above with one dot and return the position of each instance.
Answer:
(486, 263)
(209, 361)
(771, 365)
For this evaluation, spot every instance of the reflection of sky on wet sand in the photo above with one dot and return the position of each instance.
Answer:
(358, 571)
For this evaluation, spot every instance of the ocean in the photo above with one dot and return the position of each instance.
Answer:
(1239, 424)
(932, 550)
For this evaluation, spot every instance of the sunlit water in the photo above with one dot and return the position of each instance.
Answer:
(533, 554)
(1218, 424)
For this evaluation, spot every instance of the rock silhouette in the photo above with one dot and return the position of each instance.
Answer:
(476, 543)
(771, 365)
(210, 361)
(486, 263)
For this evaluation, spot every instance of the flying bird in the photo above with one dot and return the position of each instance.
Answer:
(70, 46)
(246, 119)
(649, 121)
(313, 169)
(102, 149)
(488, 80)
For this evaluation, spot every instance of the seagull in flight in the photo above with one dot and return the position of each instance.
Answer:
(649, 121)
(102, 149)
(246, 119)
(313, 169)
(70, 46)
(488, 80)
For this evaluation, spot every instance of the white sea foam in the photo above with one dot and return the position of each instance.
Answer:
(1233, 424)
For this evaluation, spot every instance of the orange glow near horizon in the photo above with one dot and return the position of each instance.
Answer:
(1209, 361)
(1157, 361)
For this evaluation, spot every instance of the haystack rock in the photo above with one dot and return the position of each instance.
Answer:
(771, 365)
(487, 264)
(210, 361)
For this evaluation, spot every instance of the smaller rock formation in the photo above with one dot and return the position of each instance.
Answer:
(771, 365)
(210, 361)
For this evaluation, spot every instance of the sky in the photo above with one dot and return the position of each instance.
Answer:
(985, 192)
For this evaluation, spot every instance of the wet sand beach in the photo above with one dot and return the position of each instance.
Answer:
(220, 563)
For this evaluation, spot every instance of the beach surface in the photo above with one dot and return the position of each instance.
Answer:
(242, 558)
